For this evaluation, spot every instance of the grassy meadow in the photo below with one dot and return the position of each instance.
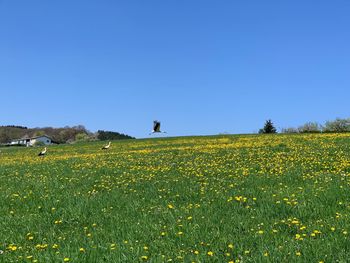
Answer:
(247, 198)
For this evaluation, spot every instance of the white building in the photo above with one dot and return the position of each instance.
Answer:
(31, 141)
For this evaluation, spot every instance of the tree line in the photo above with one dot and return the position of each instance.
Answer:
(109, 135)
(338, 125)
(59, 135)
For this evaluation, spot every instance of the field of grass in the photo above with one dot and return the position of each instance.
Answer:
(254, 198)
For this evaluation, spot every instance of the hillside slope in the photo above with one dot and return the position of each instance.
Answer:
(254, 198)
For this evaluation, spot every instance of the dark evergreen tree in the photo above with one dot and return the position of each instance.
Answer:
(268, 127)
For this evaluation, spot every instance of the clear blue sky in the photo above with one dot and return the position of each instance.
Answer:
(198, 66)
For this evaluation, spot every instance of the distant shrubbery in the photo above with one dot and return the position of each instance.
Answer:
(336, 126)
(310, 127)
(83, 137)
(15, 126)
(39, 143)
(109, 135)
(289, 130)
(339, 125)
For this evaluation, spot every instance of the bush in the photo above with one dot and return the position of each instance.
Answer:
(289, 130)
(339, 125)
(82, 137)
(39, 143)
(310, 127)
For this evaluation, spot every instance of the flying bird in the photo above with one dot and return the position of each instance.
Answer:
(156, 127)
(106, 146)
(43, 152)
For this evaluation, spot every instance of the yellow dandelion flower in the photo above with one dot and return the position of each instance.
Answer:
(13, 248)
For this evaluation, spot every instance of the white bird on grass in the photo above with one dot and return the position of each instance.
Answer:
(43, 152)
(106, 146)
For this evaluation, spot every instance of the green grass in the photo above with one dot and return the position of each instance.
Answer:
(275, 198)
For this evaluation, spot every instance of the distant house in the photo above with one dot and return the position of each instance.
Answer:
(31, 141)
